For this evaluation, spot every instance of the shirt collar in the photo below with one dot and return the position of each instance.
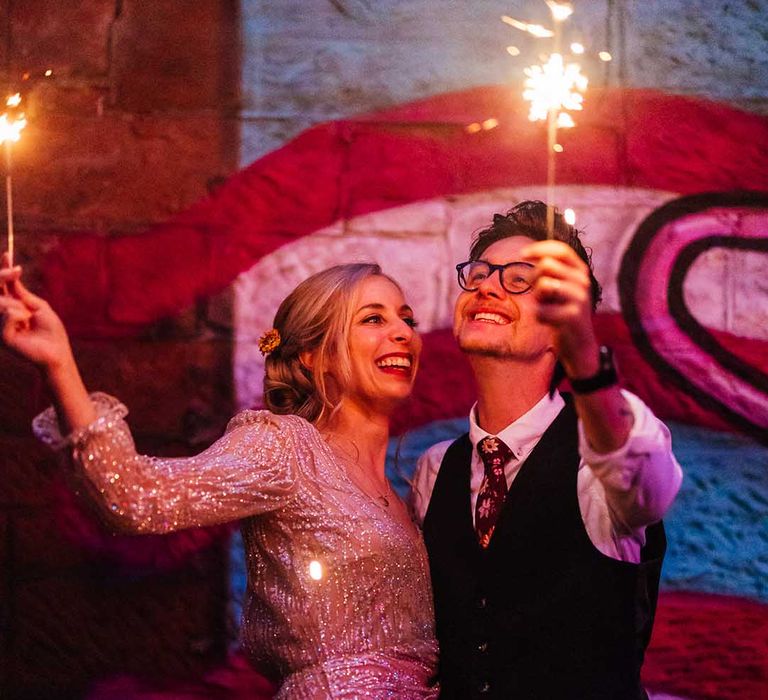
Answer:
(526, 430)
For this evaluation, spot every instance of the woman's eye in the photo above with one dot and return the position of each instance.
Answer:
(374, 318)
(412, 322)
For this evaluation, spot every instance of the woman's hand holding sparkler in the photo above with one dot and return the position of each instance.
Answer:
(31, 329)
(29, 326)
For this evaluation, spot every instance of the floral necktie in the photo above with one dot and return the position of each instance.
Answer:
(495, 454)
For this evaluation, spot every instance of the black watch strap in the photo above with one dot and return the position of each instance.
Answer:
(604, 377)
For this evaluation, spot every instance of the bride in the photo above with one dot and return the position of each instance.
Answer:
(339, 603)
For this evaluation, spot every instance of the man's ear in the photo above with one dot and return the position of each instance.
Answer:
(307, 359)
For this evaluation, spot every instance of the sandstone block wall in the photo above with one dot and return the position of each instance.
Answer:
(137, 121)
(149, 106)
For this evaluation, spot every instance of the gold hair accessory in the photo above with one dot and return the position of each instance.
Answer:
(269, 341)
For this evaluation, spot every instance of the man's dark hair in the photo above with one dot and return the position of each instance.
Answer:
(529, 218)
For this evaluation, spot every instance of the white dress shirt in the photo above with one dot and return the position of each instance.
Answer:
(620, 493)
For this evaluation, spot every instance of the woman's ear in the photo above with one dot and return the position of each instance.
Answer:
(307, 359)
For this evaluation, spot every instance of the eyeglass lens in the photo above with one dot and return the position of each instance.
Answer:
(515, 277)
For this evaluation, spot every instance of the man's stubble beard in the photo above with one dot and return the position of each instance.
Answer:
(499, 353)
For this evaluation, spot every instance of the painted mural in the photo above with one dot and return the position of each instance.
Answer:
(678, 227)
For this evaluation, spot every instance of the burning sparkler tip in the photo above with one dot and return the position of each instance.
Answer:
(554, 87)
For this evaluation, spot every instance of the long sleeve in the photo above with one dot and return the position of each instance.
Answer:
(640, 479)
(250, 470)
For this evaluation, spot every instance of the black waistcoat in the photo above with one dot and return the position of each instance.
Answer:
(541, 613)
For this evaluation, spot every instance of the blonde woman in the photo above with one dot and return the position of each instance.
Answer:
(338, 603)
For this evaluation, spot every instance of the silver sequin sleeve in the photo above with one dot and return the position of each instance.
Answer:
(250, 470)
(338, 602)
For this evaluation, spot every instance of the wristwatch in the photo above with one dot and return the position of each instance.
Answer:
(604, 377)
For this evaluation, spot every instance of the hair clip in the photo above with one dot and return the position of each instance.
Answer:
(269, 341)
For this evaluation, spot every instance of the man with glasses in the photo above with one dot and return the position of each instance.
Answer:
(543, 522)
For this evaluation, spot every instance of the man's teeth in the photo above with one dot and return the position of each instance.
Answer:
(403, 362)
(492, 318)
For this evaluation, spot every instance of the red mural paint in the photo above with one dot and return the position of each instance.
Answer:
(708, 647)
(421, 151)
(639, 139)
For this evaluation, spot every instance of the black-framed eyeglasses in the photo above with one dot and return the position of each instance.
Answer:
(515, 277)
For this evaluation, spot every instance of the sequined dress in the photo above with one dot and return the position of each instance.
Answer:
(339, 603)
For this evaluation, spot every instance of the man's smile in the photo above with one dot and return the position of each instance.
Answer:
(491, 316)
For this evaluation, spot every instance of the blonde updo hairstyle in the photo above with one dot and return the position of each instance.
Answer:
(315, 317)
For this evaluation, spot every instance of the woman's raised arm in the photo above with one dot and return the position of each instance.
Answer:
(30, 328)
(251, 469)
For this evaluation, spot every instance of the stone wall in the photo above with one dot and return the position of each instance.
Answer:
(137, 121)
(149, 106)
(308, 62)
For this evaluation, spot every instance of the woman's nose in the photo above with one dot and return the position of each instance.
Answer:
(403, 332)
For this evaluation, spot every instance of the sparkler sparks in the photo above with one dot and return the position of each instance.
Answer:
(560, 10)
(533, 29)
(486, 125)
(555, 86)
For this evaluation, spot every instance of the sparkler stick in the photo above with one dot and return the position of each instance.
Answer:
(552, 89)
(10, 132)
(9, 200)
(551, 165)
(560, 12)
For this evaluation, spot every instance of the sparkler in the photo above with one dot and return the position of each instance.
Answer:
(554, 88)
(11, 125)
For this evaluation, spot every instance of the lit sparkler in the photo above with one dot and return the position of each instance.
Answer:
(11, 125)
(554, 88)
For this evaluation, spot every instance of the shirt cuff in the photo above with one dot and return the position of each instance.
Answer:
(45, 426)
(645, 457)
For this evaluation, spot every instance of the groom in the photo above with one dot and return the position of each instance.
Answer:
(543, 522)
